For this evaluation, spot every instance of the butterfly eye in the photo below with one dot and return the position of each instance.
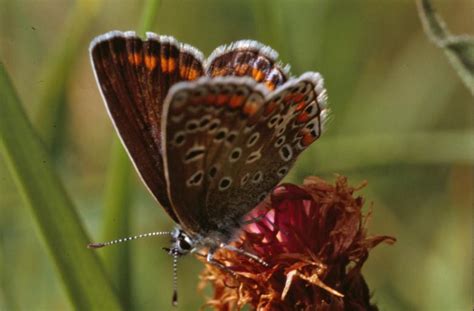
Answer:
(184, 245)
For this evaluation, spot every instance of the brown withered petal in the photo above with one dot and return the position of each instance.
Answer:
(313, 236)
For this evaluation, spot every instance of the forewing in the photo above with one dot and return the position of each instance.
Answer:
(134, 77)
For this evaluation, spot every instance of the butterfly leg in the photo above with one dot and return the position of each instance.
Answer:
(253, 220)
(210, 259)
(244, 253)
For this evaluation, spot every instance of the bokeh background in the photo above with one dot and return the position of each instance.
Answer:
(401, 119)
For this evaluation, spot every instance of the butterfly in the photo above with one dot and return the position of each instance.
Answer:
(210, 138)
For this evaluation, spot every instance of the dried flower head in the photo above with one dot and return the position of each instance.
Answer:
(313, 237)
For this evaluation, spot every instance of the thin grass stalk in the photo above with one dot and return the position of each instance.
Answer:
(118, 196)
(57, 221)
(50, 112)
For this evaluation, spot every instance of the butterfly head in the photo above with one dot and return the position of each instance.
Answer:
(181, 242)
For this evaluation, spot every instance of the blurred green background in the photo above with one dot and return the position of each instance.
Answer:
(401, 119)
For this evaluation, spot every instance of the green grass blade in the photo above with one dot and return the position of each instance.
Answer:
(149, 14)
(57, 221)
(117, 221)
(118, 194)
(458, 49)
(52, 95)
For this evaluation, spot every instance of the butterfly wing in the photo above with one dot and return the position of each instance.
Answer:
(288, 122)
(134, 77)
(198, 130)
(248, 58)
(228, 154)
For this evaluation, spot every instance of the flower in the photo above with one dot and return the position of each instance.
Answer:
(314, 240)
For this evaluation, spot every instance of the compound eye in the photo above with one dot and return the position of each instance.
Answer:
(184, 245)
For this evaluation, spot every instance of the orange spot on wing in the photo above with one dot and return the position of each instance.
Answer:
(242, 69)
(168, 65)
(236, 101)
(222, 99)
(258, 75)
(307, 139)
(171, 64)
(210, 99)
(293, 98)
(302, 117)
(270, 85)
(250, 108)
(300, 105)
(150, 62)
(219, 72)
(270, 108)
(189, 73)
(135, 58)
(193, 74)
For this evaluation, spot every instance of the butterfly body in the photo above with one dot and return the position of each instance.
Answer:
(209, 138)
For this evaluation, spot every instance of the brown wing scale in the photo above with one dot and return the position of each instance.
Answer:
(204, 119)
(134, 78)
(288, 122)
(248, 58)
(218, 174)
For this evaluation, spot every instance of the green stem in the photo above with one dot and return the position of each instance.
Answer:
(148, 17)
(52, 209)
(458, 49)
(118, 195)
(52, 98)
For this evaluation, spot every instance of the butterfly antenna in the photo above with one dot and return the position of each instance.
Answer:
(175, 277)
(130, 238)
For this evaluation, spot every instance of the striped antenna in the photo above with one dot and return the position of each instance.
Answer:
(175, 254)
(135, 237)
